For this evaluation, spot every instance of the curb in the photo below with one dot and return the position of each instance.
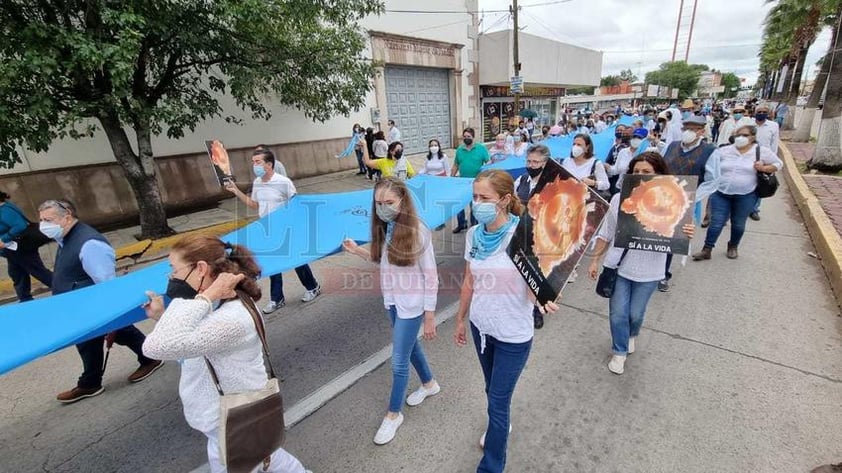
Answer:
(826, 239)
(136, 253)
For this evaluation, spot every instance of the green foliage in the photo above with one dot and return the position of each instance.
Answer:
(628, 75)
(677, 74)
(731, 83)
(161, 66)
(610, 81)
(587, 90)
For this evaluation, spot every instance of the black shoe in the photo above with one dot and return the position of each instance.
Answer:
(754, 216)
(459, 229)
(539, 320)
(664, 285)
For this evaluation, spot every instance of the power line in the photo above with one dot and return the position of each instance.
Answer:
(467, 12)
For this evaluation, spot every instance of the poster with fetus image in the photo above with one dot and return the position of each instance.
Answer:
(653, 208)
(562, 217)
(221, 163)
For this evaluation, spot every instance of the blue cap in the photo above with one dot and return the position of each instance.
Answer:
(640, 133)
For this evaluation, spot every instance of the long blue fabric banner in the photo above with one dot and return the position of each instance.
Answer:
(310, 227)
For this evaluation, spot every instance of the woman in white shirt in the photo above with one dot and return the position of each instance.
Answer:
(584, 166)
(437, 162)
(500, 150)
(207, 320)
(521, 145)
(638, 272)
(403, 247)
(500, 305)
(730, 180)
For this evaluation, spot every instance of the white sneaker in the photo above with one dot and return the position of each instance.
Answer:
(388, 429)
(272, 306)
(422, 393)
(482, 439)
(617, 364)
(631, 344)
(310, 295)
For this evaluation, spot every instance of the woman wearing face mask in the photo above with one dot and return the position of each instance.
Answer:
(521, 146)
(638, 272)
(210, 283)
(437, 163)
(625, 156)
(356, 145)
(730, 181)
(393, 165)
(403, 248)
(584, 166)
(500, 307)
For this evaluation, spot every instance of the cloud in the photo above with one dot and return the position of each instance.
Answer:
(639, 35)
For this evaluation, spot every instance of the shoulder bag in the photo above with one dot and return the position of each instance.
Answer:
(251, 424)
(608, 278)
(767, 183)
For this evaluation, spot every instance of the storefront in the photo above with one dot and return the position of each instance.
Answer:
(498, 107)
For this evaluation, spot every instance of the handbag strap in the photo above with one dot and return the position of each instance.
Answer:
(250, 306)
(756, 152)
(622, 257)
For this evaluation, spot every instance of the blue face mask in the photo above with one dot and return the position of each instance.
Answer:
(484, 212)
(738, 116)
(259, 171)
(761, 117)
(685, 115)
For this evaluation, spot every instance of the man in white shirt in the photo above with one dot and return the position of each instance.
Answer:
(270, 191)
(768, 134)
(599, 125)
(729, 126)
(394, 133)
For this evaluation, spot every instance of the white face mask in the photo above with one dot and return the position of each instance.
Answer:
(577, 151)
(688, 137)
(741, 141)
(434, 149)
(635, 142)
(50, 229)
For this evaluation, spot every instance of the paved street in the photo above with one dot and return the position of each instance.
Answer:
(739, 369)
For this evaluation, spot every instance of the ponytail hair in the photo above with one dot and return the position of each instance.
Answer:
(503, 185)
(222, 257)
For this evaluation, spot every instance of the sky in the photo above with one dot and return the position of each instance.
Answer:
(639, 34)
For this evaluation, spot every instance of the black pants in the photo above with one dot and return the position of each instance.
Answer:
(22, 265)
(93, 355)
(667, 273)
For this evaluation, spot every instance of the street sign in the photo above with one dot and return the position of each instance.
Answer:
(517, 84)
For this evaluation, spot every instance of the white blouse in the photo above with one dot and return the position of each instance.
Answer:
(584, 170)
(436, 166)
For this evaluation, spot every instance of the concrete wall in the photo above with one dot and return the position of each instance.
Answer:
(544, 61)
(86, 172)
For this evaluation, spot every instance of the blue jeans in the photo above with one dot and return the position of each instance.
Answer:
(723, 205)
(305, 275)
(626, 309)
(501, 364)
(460, 219)
(360, 160)
(756, 205)
(406, 349)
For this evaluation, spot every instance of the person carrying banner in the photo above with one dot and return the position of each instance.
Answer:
(403, 248)
(85, 258)
(207, 323)
(269, 192)
(22, 258)
(524, 185)
(499, 307)
(638, 272)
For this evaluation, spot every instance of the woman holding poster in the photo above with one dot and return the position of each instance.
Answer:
(500, 305)
(638, 271)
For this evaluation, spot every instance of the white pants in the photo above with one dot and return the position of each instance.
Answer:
(281, 460)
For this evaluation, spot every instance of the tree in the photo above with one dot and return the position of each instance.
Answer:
(628, 75)
(679, 75)
(805, 122)
(610, 81)
(731, 83)
(827, 156)
(155, 67)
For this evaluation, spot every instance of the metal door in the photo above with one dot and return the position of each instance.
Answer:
(418, 100)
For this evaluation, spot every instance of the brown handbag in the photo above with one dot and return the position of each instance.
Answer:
(251, 424)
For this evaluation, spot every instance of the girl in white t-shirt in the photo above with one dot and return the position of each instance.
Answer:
(638, 272)
(403, 247)
(437, 162)
(500, 305)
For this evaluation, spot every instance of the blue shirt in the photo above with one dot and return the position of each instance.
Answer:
(98, 260)
(12, 222)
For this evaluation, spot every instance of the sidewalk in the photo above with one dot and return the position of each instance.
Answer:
(229, 215)
(819, 197)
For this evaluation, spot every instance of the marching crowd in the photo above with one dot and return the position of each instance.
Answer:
(211, 326)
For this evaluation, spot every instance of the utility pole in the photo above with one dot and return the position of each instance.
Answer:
(514, 11)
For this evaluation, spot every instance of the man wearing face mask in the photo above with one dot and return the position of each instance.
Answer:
(737, 119)
(622, 140)
(270, 191)
(85, 258)
(768, 134)
(688, 158)
(470, 158)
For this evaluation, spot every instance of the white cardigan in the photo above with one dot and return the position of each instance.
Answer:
(188, 331)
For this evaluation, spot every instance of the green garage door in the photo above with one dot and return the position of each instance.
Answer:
(418, 100)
